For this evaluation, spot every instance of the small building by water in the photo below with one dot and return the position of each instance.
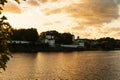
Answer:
(49, 39)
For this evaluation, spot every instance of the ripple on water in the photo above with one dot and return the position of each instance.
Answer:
(86, 65)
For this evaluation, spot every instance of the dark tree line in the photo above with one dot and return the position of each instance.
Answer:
(105, 43)
(25, 34)
(32, 35)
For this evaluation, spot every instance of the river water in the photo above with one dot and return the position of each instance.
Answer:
(85, 65)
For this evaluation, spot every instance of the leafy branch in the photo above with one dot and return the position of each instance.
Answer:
(5, 31)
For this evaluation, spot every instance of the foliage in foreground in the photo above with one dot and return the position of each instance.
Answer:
(5, 31)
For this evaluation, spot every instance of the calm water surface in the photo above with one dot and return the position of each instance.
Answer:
(88, 65)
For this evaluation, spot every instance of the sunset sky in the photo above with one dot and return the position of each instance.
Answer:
(85, 18)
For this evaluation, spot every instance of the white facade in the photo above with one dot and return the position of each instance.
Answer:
(48, 37)
(81, 44)
(18, 42)
(49, 40)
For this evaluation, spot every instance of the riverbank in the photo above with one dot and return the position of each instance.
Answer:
(31, 48)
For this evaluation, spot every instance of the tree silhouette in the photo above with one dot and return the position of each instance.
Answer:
(66, 38)
(5, 31)
(25, 34)
(107, 43)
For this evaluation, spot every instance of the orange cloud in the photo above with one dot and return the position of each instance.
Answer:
(33, 2)
(94, 11)
(43, 1)
(48, 23)
(85, 18)
(12, 7)
(47, 11)
(116, 34)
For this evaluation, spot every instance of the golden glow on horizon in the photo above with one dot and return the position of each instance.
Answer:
(88, 18)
